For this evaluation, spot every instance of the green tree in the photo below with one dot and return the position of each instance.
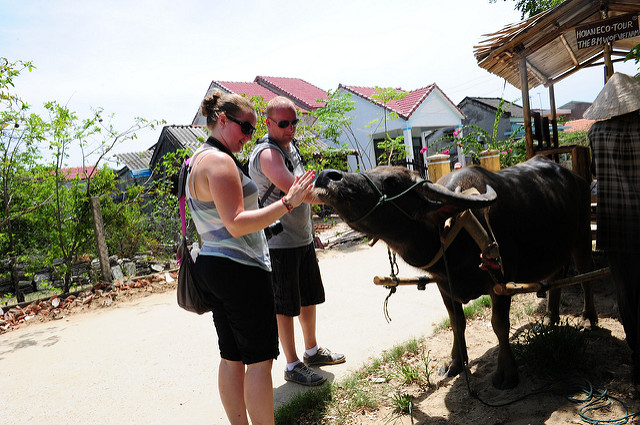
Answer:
(393, 149)
(70, 215)
(21, 133)
(530, 8)
(474, 139)
(331, 122)
(164, 227)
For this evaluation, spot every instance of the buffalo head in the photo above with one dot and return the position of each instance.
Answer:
(393, 203)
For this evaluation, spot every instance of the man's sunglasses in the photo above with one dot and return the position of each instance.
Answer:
(246, 127)
(284, 123)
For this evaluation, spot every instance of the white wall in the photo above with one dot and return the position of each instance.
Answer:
(434, 112)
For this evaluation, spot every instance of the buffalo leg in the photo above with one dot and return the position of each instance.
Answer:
(459, 350)
(506, 375)
(583, 258)
(553, 301)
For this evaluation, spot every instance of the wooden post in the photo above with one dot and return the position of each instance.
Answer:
(101, 243)
(526, 108)
(608, 64)
(554, 116)
(437, 166)
(581, 162)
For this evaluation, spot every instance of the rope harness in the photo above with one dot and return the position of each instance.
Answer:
(491, 262)
(384, 198)
(490, 254)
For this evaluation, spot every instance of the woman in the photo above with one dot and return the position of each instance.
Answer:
(234, 259)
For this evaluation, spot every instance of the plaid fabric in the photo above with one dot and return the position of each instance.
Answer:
(615, 145)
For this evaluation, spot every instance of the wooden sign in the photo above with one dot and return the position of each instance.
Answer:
(608, 30)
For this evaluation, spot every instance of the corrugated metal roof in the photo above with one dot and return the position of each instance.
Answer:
(187, 136)
(494, 102)
(548, 42)
(175, 137)
(135, 160)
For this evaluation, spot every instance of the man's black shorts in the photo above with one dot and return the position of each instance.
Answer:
(243, 310)
(296, 279)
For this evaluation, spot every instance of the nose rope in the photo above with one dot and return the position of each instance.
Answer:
(384, 198)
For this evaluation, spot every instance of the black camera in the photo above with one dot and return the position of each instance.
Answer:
(273, 229)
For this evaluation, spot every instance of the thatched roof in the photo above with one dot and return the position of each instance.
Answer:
(549, 44)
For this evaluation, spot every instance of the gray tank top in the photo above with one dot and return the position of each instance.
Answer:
(298, 227)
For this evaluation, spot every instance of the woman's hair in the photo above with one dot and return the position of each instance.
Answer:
(230, 103)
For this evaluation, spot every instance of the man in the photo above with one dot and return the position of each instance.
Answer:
(297, 284)
(615, 144)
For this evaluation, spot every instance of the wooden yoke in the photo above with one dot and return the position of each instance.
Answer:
(512, 288)
(452, 227)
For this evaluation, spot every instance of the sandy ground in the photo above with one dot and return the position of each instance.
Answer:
(146, 361)
(143, 360)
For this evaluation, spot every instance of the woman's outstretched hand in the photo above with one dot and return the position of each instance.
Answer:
(300, 188)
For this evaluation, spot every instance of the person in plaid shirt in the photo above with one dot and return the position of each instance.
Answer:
(615, 148)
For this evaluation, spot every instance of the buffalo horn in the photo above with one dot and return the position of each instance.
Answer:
(440, 193)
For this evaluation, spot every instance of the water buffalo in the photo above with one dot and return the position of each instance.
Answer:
(538, 211)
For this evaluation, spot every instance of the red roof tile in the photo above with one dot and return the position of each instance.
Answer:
(248, 89)
(578, 125)
(71, 173)
(403, 107)
(301, 92)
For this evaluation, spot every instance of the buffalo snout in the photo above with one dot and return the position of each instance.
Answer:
(327, 176)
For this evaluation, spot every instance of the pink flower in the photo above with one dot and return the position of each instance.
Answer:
(423, 150)
(445, 152)
(455, 133)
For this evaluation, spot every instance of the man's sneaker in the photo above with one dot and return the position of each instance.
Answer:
(324, 356)
(304, 375)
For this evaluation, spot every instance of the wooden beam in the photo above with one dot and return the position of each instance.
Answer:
(584, 64)
(569, 51)
(526, 108)
(543, 78)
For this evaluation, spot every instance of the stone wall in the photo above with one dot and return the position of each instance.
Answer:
(82, 272)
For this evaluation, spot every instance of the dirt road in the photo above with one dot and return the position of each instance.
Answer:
(149, 362)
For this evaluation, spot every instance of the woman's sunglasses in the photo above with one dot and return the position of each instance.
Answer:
(246, 127)
(285, 124)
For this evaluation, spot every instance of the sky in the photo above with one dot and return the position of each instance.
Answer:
(156, 59)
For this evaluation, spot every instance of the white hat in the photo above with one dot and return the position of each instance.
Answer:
(621, 95)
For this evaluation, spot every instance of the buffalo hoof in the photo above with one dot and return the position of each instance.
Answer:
(450, 370)
(504, 381)
(550, 319)
(589, 320)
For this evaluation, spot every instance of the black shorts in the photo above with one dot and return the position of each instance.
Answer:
(241, 299)
(296, 279)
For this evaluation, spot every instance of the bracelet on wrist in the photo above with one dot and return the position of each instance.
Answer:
(286, 204)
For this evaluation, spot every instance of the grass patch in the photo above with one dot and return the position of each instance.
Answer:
(305, 407)
(550, 350)
(365, 390)
(477, 307)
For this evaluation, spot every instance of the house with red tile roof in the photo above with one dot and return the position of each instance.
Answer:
(303, 94)
(419, 113)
